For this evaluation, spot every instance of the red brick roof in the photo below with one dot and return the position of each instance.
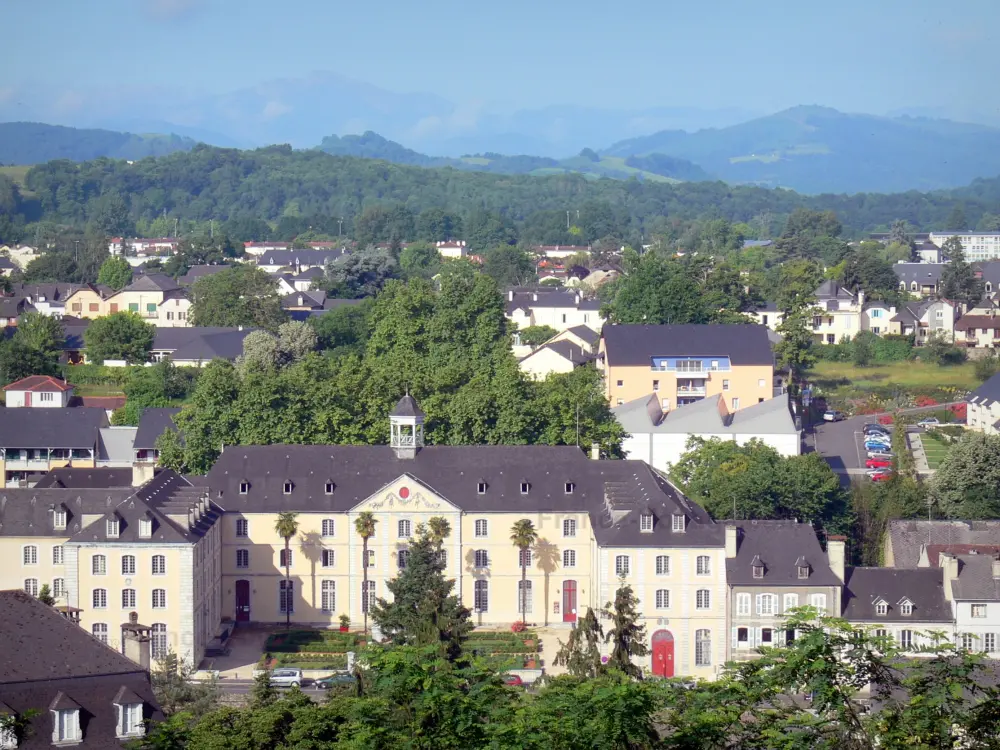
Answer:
(39, 384)
(934, 551)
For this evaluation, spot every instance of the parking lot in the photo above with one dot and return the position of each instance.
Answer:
(842, 444)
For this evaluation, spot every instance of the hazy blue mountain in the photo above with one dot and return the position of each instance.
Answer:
(817, 149)
(371, 145)
(35, 142)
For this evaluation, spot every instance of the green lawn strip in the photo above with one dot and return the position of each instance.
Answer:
(935, 448)
(841, 382)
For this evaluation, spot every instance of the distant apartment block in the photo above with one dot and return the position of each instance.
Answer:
(977, 245)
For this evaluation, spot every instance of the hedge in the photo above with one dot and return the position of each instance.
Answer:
(97, 374)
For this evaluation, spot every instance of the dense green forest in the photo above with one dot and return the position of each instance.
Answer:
(35, 142)
(310, 190)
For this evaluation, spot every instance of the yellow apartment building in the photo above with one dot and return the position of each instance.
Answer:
(35, 440)
(683, 364)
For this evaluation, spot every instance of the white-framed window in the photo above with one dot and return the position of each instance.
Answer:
(569, 527)
(481, 558)
(128, 598)
(703, 565)
(403, 529)
(568, 488)
(327, 558)
(329, 527)
(791, 602)
(979, 611)
(111, 526)
(663, 565)
(758, 571)
(99, 599)
(66, 724)
(99, 565)
(286, 488)
(286, 596)
(525, 486)
(159, 565)
(677, 522)
(906, 639)
(58, 587)
(482, 527)
(328, 488)
(656, 385)
(766, 604)
(402, 558)
(736, 403)
(371, 558)
(524, 558)
(966, 641)
(703, 599)
(524, 587)
(622, 565)
(766, 636)
(989, 642)
(145, 528)
(328, 596)
(128, 565)
(725, 385)
(646, 523)
(481, 599)
(29, 555)
(31, 586)
(244, 488)
(242, 527)
(818, 601)
(285, 557)
(703, 648)
(367, 596)
(881, 608)
(481, 488)
(569, 558)
(663, 599)
(741, 637)
(761, 382)
(159, 598)
(442, 556)
(743, 605)
(242, 558)
(158, 644)
(130, 720)
(59, 519)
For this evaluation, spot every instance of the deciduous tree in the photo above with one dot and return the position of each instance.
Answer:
(115, 273)
(239, 296)
(121, 336)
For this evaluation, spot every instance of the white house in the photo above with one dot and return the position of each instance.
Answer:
(452, 249)
(557, 308)
(983, 410)
(38, 391)
(562, 353)
(972, 585)
(660, 438)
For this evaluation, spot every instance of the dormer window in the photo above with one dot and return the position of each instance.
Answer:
(111, 528)
(906, 607)
(678, 522)
(524, 488)
(59, 519)
(244, 487)
(128, 706)
(287, 488)
(481, 487)
(881, 607)
(646, 523)
(65, 720)
(758, 571)
(328, 488)
(803, 571)
(145, 528)
(568, 488)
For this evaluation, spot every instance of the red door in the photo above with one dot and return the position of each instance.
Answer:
(663, 653)
(243, 601)
(569, 601)
(27, 398)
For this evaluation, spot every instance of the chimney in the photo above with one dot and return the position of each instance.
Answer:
(510, 295)
(595, 451)
(835, 554)
(950, 565)
(534, 296)
(996, 566)
(136, 641)
(732, 537)
(861, 298)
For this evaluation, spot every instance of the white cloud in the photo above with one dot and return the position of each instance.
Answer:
(274, 109)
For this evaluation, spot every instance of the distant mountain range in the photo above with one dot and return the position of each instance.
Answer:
(33, 143)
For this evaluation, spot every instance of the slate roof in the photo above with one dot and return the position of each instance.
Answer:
(830, 290)
(13, 307)
(311, 298)
(986, 394)
(152, 423)
(300, 257)
(64, 427)
(989, 270)
(707, 416)
(565, 349)
(922, 273)
(781, 546)
(28, 512)
(586, 333)
(767, 307)
(39, 384)
(975, 580)
(6, 264)
(47, 661)
(198, 272)
(311, 273)
(56, 291)
(83, 478)
(912, 312)
(152, 282)
(977, 321)
(930, 556)
(116, 446)
(200, 343)
(632, 345)
(406, 407)
(908, 537)
(924, 587)
(525, 298)
(454, 472)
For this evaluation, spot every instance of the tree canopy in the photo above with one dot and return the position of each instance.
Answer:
(120, 336)
(239, 296)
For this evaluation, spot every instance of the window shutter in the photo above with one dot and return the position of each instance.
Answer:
(759, 604)
(736, 638)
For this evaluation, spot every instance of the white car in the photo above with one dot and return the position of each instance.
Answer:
(929, 422)
(286, 677)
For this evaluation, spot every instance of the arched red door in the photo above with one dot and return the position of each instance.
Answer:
(663, 653)
(569, 601)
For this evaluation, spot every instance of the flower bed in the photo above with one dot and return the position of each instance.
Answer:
(313, 661)
(315, 641)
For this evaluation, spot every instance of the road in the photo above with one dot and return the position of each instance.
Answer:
(242, 687)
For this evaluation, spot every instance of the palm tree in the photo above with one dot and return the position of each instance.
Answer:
(364, 524)
(286, 527)
(524, 536)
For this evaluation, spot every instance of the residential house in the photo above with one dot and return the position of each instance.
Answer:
(451, 249)
(144, 296)
(329, 303)
(153, 422)
(837, 314)
(175, 309)
(68, 688)
(768, 315)
(928, 252)
(144, 246)
(923, 279)
(308, 279)
(660, 437)
(557, 308)
(199, 272)
(561, 251)
(979, 327)
(38, 391)
(772, 568)
(905, 540)
(557, 356)
(304, 300)
(983, 410)
(48, 298)
(923, 319)
(259, 248)
(88, 301)
(298, 261)
(22, 255)
(682, 364)
(875, 317)
(598, 277)
(908, 605)
(85, 479)
(976, 245)
(7, 266)
(33, 441)
(197, 346)
(972, 587)
(12, 309)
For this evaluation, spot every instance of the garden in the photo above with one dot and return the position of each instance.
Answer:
(521, 646)
(891, 385)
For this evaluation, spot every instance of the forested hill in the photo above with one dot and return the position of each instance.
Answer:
(221, 184)
(34, 143)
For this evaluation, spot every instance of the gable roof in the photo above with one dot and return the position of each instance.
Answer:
(310, 257)
(924, 587)
(58, 427)
(152, 422)
(986, 394)
(782, 546)
(907, 537)
(832, 290)
(975, 580)
(85, 478)
(525, 298)
(39, 384)
(28, 512)
(977, 321)
(922, 273)
(151, 282)
(312, 298)
(565, 349)
(201, 343)
(198, 272)
(706, 416)
(637, 344)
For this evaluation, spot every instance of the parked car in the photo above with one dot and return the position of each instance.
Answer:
(929, 422)
(286, 677)
(877, 445)
(513, 679)
(871, 428)
(880, 454)
(878, 463)
(880, 475)
(832, 415)
(340, 678)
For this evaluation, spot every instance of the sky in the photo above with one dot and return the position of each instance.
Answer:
(856, 55)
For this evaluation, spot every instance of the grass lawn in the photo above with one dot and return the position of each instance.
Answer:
(838, 381)
(98, 390)
(935, 448)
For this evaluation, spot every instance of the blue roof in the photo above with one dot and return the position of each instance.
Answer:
(757, 243)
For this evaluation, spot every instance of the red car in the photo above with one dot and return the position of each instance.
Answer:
(513, 679)
(880, 476)
(878, 463)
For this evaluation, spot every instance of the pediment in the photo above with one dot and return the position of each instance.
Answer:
(406, 494)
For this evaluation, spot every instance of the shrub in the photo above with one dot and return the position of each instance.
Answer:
(518, 627)
(960, 411)
(986, 367)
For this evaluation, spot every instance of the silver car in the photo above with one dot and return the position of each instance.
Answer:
(286, 677)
